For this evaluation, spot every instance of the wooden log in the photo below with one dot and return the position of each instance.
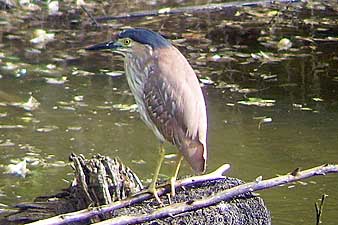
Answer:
(101, 181)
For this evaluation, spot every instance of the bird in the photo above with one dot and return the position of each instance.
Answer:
(168, 95)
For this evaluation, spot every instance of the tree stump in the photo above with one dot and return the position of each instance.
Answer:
(102, 180)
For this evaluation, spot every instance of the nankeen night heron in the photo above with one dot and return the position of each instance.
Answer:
(167, 93)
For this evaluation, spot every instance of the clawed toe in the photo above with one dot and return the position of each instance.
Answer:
(152, 189)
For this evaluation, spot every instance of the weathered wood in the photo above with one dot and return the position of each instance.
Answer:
(243, 209)
(7, 4)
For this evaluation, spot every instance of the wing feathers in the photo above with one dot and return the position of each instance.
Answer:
(175, 103)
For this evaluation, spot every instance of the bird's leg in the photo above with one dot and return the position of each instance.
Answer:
(152, 186)
(173, 178)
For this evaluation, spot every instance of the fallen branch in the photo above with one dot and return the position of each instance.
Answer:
(89, 213)
(225, 195)
(192, 9)
(179, 208)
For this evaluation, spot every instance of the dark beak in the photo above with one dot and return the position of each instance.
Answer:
(106, 45)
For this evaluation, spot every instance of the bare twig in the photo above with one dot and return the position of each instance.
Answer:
(319, 209)
(90, 16)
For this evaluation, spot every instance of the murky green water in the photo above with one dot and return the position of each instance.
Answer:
(83, 114)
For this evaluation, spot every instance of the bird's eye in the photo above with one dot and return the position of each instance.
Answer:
(126, 41)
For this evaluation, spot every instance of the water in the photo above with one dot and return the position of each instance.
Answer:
(82, 115)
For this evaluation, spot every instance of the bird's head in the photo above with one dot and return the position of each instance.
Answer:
(131, 40)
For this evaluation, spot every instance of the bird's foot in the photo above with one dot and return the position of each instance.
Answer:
(152, 189)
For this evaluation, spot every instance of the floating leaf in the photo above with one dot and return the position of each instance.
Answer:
(3, 114)
(31, 104)
(9, 66)
(258, 102)
(284, 44)
(317, 99)
(51, 66)
(306, 109)
(246, 90)
(74, 128)
(18, 169)
(206, 81)
(268, 77)
(221, 58)
(297, 105)
(164, 10)
(41, 38)
(78, 98)
(7, 143)
(82, 72)
(53, 8)
(11, 126)
(125, 107)
(170, 156)
(262, 120)
(115, 73)
(46, 129)
(52, 80)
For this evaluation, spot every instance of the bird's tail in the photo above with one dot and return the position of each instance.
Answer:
(193, 152)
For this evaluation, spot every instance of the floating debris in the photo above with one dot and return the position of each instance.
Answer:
(10, 66)
(53, 8)
(18, 169)
(125, 107)
(138, 162)
(41, 38)
(265, 57)
(164, 10)
(115, 73)
(262, 120)
(74, 128)
(170, 156)
(2, 115)
(78, 98)
(221, 58)
(30, 105)
(318, 99)
(301, 107)
(61, 80)
(284, 44)
(7, 143)
(12, 126)
(77, 72)
(246, 90)
(206, 81)
(268, 77)
(46, 129)
(258, 102)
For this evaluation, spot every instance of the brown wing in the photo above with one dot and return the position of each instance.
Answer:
(175, 103)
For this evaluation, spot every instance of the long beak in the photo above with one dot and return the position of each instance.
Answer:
(106, 45)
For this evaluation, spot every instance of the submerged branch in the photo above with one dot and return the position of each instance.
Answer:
(192, 9)
(179, 208)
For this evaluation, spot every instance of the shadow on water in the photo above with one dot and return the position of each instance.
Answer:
(272, 102)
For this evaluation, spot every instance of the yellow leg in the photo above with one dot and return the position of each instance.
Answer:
(152, 186)
(173, 178)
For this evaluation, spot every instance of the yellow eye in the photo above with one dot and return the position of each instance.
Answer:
(126, 41)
